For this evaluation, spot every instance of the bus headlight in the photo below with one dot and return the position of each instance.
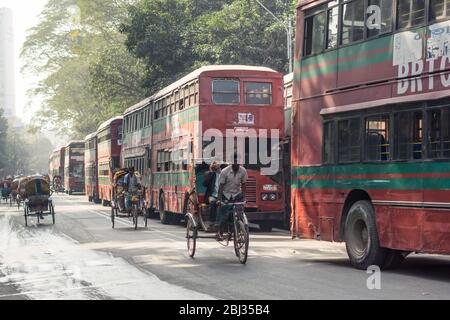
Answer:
(265, 197)
(273, 197)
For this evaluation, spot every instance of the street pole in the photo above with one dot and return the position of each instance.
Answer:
(288, 27)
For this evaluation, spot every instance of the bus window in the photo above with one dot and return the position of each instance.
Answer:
(386, 7)
(119, 135)
(439, 9)
(446, 132)
(314, 33)
(349, 144)
(76, 171)
(377, 139)
(410, 13)
(332, 30)
(328, 143)
(226, 91)
(258, 93)
(409, 135)
(438, 133)
(353, 21)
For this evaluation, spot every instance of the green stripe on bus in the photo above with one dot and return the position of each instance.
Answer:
(327, 176)
(389, 183)
(172, 179)
(187, 116)
(327, 63)
(358, 169)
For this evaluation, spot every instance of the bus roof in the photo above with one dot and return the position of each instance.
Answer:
(192, 76)
(138, 106)
(106, 124)
(310, 3)
(195, 74)
(90, 136)
(74, 142)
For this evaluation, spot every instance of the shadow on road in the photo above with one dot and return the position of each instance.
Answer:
(430, 268)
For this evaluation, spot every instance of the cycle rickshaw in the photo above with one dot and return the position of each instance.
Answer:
(5, 193)
(135, 199)
(235, 230)
(37, 199)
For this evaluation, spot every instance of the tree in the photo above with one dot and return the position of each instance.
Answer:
(86, 74)
(3, 140)
(160, 33)
(244, 33)
(173, 37)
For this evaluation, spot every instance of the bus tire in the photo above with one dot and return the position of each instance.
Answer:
(394, 258)
(164, 216)
(361, 237)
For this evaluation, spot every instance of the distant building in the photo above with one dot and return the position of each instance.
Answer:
(7, 71)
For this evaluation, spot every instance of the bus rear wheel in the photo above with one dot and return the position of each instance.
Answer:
(361, 237)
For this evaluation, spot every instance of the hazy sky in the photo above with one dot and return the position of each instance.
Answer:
(25, 15)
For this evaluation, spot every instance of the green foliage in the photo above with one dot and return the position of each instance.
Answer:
(21, 151)
(95, 58)
(86, 75)
(3, 139)
(173, 37)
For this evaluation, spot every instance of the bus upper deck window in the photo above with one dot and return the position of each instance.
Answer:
(410, 13)
(439, 9)
(314, 33)
(385, 21)
(226, 91)
(258, 93)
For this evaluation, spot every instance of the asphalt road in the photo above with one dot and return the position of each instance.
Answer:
(82, 257)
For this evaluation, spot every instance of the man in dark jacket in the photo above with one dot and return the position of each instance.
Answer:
(211, 182)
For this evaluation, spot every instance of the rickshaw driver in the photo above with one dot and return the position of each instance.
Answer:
(233, 181)
(132, 183)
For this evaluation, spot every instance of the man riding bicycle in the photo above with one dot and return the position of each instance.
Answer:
(232, 188)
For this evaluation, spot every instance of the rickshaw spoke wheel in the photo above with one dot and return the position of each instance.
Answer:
(112, 217)
(191, 237)
(241, 241)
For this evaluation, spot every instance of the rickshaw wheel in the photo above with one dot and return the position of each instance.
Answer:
(52, 211)
(191, 237)
(145, 217)
(135, 213)
(113, 217)
(241, 241)
(25, 215)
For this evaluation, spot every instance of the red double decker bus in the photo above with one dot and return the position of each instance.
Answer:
(56, 164)
(91, 168)
(165, 136)
(74, 167)
(371, 133)
(109, 139)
